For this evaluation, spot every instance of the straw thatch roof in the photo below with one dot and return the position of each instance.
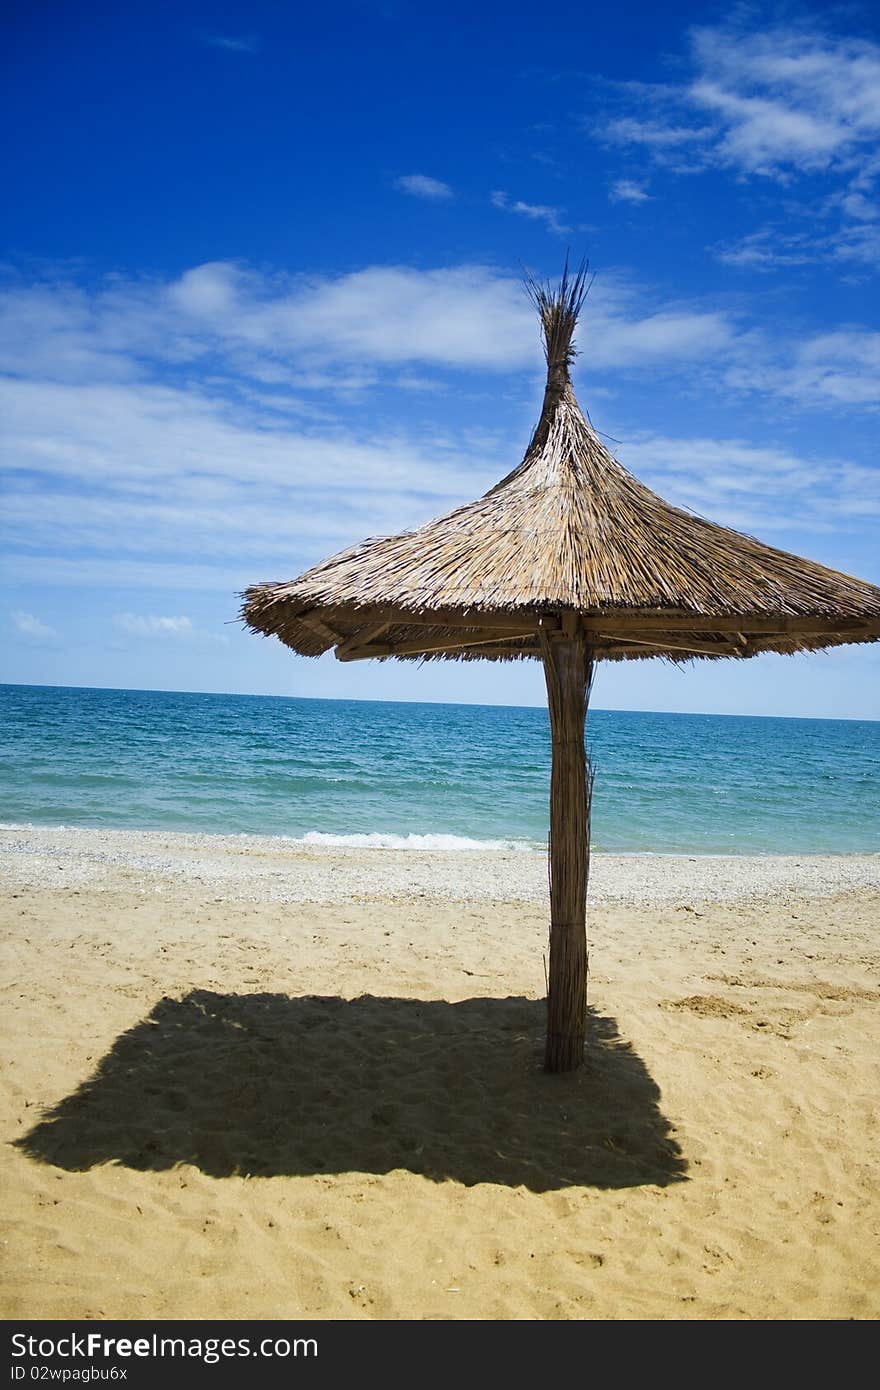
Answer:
(569, 537)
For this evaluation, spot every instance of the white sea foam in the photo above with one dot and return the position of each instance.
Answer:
(420, 842)
(279, 869)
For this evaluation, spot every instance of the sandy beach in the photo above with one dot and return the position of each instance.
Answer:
(251, 1079)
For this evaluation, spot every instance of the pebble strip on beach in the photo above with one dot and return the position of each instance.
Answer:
(260, 868)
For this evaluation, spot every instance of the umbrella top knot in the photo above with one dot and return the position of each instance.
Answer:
(558, 308)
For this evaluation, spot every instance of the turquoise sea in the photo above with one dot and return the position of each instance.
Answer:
(423, 775)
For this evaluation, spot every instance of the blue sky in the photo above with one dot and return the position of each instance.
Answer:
(262, 297)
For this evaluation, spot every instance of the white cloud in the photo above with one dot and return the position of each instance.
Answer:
(768, 248)
(176, 628)
(782, 104)
(313, 333)
(628, 191)
(30, 626)
(755, 487)
(269, 327)
(173, 446)
(788, 98)
(423, 186)
(858, 244)
(537, 212)
(119, 482)
(840, 368)
(857, 206)
(764, 136)
(778, 245)
(774, 101)
(153, 626)
(655, 134)
(680, 333)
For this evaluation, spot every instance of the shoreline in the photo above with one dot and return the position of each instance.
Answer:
(281, 869)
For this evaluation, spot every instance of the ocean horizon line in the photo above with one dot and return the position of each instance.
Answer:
(433, 704)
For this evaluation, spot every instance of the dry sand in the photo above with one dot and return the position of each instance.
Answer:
(247, 1080)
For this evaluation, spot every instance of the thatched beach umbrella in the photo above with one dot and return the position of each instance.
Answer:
(570, 560)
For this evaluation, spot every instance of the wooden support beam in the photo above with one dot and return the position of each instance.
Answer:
(441, 617)
(415, 647)
(623, 621)
(362, 638)
(661, 644)
(317, 625)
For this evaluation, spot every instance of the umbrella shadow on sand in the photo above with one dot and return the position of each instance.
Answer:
(269, 1085)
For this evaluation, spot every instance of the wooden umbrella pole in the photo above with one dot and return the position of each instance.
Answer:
(568, 670)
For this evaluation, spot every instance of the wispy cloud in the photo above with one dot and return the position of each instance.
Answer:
(28, 625)
(788, 99)
(154, 626)
(658, 136)
(778, 245)
(423, 186)
(168, 434)
(537, 212)
(773, 102)
(841, 367)
(143, 484)
(628, 191)
(316, 333)
(235, 43)
(761, 488)
(769, 248)
(781, 104)
(226, 351)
